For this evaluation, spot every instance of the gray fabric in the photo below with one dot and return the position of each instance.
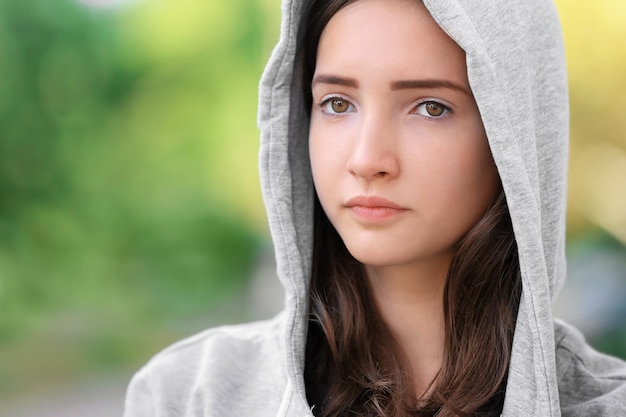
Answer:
(517, 73)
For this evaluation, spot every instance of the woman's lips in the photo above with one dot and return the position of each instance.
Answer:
(372, 208)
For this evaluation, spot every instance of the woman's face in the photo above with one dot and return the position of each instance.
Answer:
(399, 154)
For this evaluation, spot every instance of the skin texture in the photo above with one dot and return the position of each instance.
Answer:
(393, 118)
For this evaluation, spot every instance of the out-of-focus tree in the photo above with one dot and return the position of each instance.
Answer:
(595, 40)
(595, 36)
(129, 193)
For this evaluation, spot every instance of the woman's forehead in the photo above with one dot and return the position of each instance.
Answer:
(397, 38)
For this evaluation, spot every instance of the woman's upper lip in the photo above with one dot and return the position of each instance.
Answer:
(373, 201)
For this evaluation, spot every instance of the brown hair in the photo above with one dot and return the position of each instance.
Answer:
(354, 366)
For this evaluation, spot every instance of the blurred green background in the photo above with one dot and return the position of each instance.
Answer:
(130, 210)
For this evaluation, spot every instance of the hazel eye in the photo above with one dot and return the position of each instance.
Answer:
(337, 105)
(432, 109)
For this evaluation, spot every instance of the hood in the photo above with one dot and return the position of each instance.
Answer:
(516, 68)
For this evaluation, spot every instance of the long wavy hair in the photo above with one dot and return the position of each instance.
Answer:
(354, 366)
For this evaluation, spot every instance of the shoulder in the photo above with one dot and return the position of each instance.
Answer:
(590, 383)
(211, 370)
(229, 342)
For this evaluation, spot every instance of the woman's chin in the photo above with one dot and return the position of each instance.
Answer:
(375, 257)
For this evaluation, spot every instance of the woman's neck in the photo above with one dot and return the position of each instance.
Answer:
(410, 301)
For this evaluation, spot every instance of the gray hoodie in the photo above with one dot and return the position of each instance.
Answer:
(516, 69)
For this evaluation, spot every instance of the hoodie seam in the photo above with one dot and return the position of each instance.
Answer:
(541, 342)
(297, 307)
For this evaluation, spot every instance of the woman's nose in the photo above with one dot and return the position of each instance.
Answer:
(374, 151)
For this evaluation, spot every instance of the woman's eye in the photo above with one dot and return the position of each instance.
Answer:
(432, 109)
(337, 105)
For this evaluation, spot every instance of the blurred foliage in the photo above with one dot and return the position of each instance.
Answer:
(129, 196)
(595, 40)
(129, 191)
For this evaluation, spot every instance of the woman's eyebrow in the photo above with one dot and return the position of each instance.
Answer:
(334, 80)
(408, 84)
(395, 85)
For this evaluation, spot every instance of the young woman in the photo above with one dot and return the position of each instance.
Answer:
(413, 162)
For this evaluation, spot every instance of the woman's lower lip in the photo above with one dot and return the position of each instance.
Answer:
(375, 213)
